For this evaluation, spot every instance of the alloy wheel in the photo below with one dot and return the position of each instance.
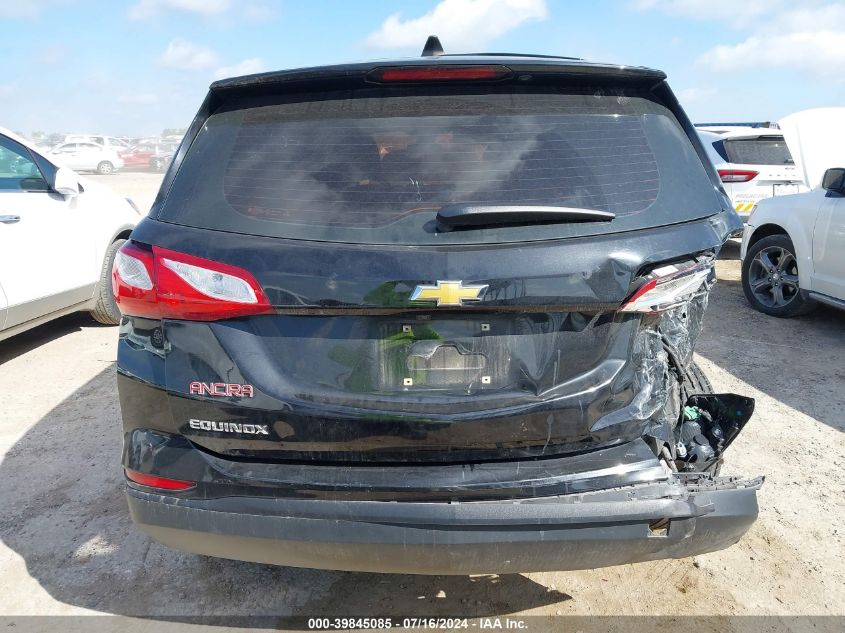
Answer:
(773, 277)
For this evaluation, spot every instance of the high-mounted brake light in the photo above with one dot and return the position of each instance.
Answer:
(668, 286)
(153, 481)
(412, 74)
(737, 175)
(166, 284)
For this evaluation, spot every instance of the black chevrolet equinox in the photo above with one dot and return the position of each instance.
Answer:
(431, 316)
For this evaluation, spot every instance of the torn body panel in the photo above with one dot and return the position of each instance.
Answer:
(709, 424)
(686, 424)
(672, 299)
(681, 326)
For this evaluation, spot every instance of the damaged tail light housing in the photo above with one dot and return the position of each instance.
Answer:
(163, 284)
(668, 286)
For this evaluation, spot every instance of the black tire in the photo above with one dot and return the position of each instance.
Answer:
(694, 382)
(106, 310)
(105, 168)
(770, 278)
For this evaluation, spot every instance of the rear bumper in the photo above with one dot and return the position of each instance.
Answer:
(579, 531)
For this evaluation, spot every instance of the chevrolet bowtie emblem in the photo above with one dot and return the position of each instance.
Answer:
(448, 293)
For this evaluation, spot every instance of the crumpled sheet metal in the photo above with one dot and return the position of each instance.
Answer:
(657, 400)
(651, 381)
(681, 326)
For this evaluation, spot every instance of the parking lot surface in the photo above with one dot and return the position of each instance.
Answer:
(68, 546)
(140, 186)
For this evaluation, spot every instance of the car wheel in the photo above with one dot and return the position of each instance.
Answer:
(158, 164)
(106, 310)
(105, 168)
(770, 278)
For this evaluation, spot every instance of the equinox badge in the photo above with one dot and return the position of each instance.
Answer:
(229, 427)
(448, 293)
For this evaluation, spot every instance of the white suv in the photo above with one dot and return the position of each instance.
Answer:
(753, 164)
(793, 250)
(58, 237)
(87, 156)
(118, 145)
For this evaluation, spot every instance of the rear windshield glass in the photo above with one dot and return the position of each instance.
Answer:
(375, 166)
(758, 151)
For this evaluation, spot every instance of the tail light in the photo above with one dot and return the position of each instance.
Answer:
(165, 284)
(737, 175)
(668, 286)
(153, 481)
(413, 74)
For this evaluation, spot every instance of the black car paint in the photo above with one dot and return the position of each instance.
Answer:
(329, 452)
(347, 290)
(176, 457)
(589, 274)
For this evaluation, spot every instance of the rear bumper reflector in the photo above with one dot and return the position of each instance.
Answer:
(162, 483)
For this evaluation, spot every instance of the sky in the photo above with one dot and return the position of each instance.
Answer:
(136, 67)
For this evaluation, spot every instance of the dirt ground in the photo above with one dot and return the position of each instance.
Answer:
(68, 546)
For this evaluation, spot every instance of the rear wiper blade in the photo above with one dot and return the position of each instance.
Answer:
(457, 216)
